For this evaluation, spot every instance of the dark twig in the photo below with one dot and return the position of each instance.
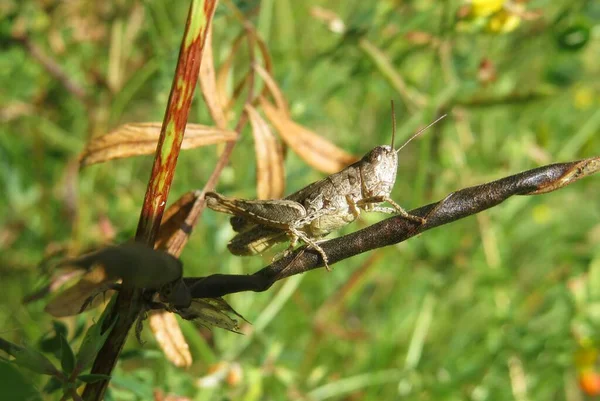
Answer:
(457, 205)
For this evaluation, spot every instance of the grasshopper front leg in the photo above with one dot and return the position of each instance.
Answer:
(370, 204)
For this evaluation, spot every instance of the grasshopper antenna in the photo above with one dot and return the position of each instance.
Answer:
(393, 123)
(419, 132)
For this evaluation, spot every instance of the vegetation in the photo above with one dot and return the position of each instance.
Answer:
(503, 305)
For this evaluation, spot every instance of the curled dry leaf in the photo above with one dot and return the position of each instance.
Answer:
(224, 71)
(208, 84)
(266, 56)
(274, 90)
(170, 338)
(270, 180)
(174, 219)
(141, 139)
(70, 301)
(314, 149)
(70, 191)
(211, 312)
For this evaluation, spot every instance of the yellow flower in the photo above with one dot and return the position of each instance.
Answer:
(583, 98)
(484, 8)
(503, 22)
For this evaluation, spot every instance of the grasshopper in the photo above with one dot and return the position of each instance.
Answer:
(318, 209)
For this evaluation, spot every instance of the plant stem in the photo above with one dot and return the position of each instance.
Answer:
(128, 304)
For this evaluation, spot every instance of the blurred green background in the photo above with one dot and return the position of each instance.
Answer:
(501, 306)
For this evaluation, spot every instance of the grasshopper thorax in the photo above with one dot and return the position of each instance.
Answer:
(378, 171)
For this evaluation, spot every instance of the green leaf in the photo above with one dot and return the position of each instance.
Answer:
(67, 357)
(128, 383)
(93, 377)
(34, 361)
(91, 344)
(53, 344)
(15, 386)
(52, 385)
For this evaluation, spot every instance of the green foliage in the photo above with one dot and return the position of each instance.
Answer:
(14, 383)
(494, 307)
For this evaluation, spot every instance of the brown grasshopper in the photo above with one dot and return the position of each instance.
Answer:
(318, 209)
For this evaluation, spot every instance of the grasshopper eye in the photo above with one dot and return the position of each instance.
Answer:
(376, 156)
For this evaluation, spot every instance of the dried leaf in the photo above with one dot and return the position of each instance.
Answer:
(266, 56)
(212, 312)
(270, 177)
(174, 219)
(314, 149)
(273, 88)
(170, 338)
(225, 70)
(56, 282)
(70, 192)
(208, 84)
(141, 139)
(70, 301)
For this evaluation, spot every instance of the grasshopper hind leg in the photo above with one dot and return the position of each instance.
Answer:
(295, 234)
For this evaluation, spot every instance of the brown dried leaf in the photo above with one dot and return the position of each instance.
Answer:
(70, 301)
(314, 149)
(266, 56)
(273, 88)
(170, 338)
(208, 84)
(224, 71)
(244, 82)
(70, 192)
(212, 312)
(174, 219)
(55, 283)
(141, 139)
(270, 180)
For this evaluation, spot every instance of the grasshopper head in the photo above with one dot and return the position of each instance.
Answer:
(378, 171)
